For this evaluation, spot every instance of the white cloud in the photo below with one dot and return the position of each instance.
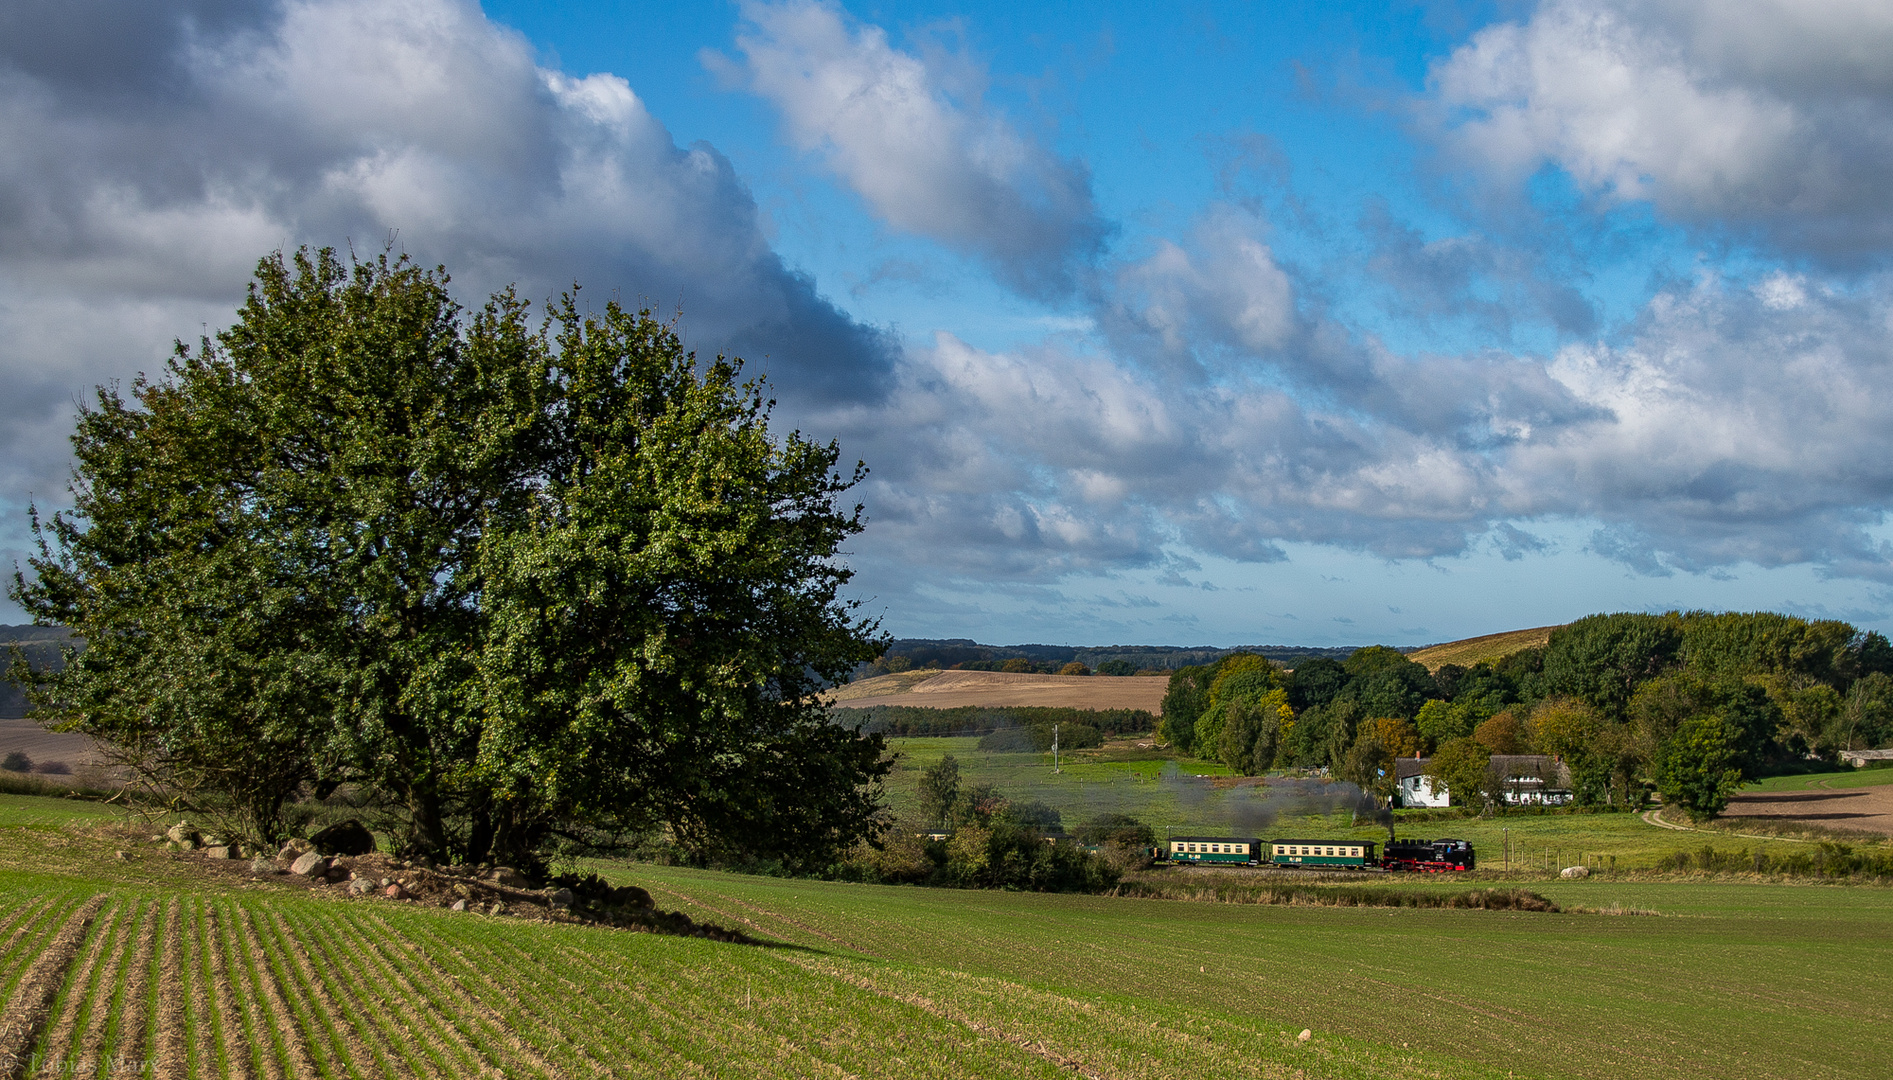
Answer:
(137, 196)
(1774, 118)
(919, 144)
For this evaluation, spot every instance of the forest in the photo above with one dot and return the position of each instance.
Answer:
(1695, 703)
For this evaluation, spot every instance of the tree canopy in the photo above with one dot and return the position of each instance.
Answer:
(523, 578)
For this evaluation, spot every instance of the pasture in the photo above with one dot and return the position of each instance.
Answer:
(1190, 796)
(148, 964)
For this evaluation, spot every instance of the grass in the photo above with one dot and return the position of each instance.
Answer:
(1190, 799)
(202, 978)
(1844, 778)
(1472, 651)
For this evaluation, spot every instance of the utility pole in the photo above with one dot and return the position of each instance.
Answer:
(1055, 767)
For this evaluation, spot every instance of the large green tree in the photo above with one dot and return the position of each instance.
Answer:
(523, 581)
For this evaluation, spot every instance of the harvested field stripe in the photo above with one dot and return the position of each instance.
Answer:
(167, 1044)
(235, 1051)
(73, 1006)
(259, 1032)
(495, 1037)
(105, 991)
(241, 1007)
(120, 1039)
(32, 999)
(286, 1032)
(427, 1012)
(519, 1021)
(325, 1042)
(138, 1043)
(358, 1039)
(368, 1011)
(26, 942)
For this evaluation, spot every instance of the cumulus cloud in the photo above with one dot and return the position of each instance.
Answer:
(155, 150)
(918, 143)
(1773, 119)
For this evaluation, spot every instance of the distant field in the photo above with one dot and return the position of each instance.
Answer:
(952, 689)
(1471, 651)
(1201, 797)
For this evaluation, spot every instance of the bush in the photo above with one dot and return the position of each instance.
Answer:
(1116, 829)
(1825, 859)
(1076, 667)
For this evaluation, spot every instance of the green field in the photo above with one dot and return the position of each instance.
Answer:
(1846, 778)
(146, 964)
(1190, 799)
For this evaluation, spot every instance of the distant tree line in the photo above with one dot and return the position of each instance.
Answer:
(905, 654)
(41, 648)
(1696, 703)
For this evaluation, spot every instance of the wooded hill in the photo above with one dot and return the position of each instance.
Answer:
(1693, 702)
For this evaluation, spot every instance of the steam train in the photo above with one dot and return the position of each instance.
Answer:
(1412, 856)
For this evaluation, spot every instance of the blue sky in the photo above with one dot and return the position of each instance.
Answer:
(1311, 323)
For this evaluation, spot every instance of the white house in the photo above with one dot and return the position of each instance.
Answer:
(1416, 788)
(1526, 779)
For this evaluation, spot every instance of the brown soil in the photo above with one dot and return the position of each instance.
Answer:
(32, 1000)
(171, 1060)
(132, 1025)
(285, 1019)
(41, 745)
(953, 689)
(1868, 809)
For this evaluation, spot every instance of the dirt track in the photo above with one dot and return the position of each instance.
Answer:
(953, 689)
(1869, 809)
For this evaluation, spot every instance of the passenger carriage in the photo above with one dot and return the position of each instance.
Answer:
(1225, 850)
(1322, 854)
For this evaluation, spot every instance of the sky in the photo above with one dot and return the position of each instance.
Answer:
(1316, 323)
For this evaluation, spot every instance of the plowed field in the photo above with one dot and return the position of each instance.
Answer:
(952, 689)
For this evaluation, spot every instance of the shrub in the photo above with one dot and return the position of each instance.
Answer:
(1076, 667)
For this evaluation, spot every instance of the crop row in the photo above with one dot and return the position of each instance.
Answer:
(266, 987)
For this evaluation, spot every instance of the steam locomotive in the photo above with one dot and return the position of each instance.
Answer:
(1414, 856)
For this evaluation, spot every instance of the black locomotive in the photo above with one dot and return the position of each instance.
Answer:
(1428, 856)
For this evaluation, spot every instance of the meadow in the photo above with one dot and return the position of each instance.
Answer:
(144, 963)
(1198, 797)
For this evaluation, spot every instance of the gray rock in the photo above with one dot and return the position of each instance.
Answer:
(182, 835)
(294, 849)
(361, 886)
(561, 898)
(509, 877)
(260, 865)
(460, 905)
(1575, 872)
(309, 863)
(219, 851)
